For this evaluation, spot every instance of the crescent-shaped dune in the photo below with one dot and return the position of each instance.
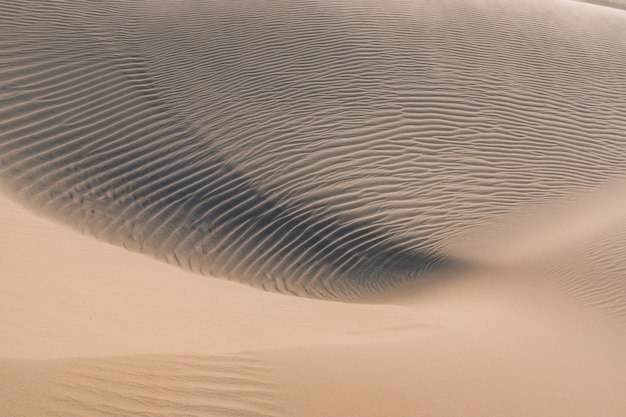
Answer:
(327, 149)
(461, 160)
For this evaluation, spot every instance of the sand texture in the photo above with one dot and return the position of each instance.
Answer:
(441, 184)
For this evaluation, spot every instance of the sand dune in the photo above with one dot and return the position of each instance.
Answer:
(84, 298)
(90, 329)
(306, 147)
(457, 166)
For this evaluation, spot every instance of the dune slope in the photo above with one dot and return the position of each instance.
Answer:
(322, 148)
(89, 329)
(456, 169)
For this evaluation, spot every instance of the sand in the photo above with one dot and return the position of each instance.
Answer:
(424, 200)
(92, 329)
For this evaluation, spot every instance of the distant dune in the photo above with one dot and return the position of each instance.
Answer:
(410, 155)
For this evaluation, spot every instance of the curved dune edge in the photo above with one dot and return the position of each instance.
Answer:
(156, 340)
(67, 295)
(573, 245)
(329, 149)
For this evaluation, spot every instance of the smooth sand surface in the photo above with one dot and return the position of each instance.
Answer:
(442, 184)
(67, 295)
(143, 329)
(91, 329)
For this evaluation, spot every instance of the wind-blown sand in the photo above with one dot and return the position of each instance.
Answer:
(451, 174)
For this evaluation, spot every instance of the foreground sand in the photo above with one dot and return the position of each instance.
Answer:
(90, 329)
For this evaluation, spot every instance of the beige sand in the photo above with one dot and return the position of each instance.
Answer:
(64, 295)
(323, 148)
(158, 341)
(452, 171)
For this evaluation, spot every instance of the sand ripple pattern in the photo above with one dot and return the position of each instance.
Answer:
(325, 148)
(190, 386)
(601, 257)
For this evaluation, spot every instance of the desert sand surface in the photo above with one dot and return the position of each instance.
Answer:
(92, 329)
(313, 208)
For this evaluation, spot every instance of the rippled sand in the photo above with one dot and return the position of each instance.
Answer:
(442, 183)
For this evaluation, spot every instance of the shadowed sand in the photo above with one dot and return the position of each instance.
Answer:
(456, 167)
(90, 329)
(329, 149)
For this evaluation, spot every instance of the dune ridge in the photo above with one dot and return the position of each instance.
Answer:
(321, 148)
